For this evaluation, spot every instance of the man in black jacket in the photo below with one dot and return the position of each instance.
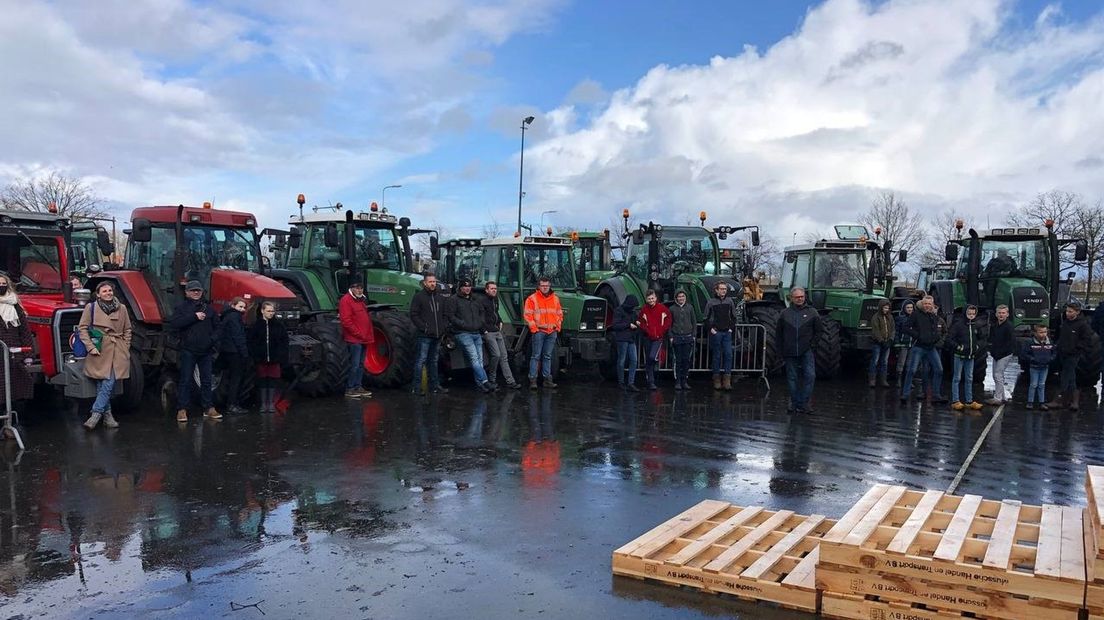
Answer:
(799, 328)
(1002, 345)
(1074, 340)
(428, 312)
(196, 325)
(497, 354)
(925, 332)
(466, 319)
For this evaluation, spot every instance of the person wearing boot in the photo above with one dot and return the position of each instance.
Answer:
(196, 324)
(105, 331)
(1074, 338)
(233, 352)
(544, 314)
(1040, 352)
(902, 340)
(1002, 344)
(428, 312)
(924, 329)
(966, 340)
(269, 347)
(624, 329)
(882, 330)
(683, 324)
(654, 321)
(720, 319)
(358, 334)
(466, 319)
(799, 328)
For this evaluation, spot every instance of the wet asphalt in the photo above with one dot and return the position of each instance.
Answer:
(468, 506)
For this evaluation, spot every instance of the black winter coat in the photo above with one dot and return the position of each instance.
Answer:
(798, 330)
(491, 318)
(924, 328)
(199, 337)
(268, 342)
(1074, 337)
(429, 313)
(623, 317)
(1002, 340)
(232, 333)
(965, 338)
(466, 314)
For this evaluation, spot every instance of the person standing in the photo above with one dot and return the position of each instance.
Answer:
(196, 324)
(544, 314)
(357, 331)
(923, 328)
(882, 331)
(428, 312)
(799, 328)
(966, 340)
(683, 324)
(1098, 324)
(1040, 352)
(498, 356)
(233, 352)
(902, 339)
(466, 318)
(1074, 340)
(624, 329)
(269, 346)
(1002, 345)
(720, 317)
(654, 322)
(105, 331)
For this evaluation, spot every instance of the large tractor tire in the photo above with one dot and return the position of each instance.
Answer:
(1089, 365)
(389, 362)
(828, 350)
(221, 382)
(131, 398)
(981, 366)
(768, 316)
(329, 377)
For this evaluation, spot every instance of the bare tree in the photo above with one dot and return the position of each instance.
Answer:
(1087, 222)
(942, 228)
(897, 222)
(1059, 206)
(765, 257)
(492, 230)
(71, 195)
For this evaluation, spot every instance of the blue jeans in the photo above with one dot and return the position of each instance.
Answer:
(963, 369)
(879, 358)
(935, 369)
(543, 346)
(684, 350)
(472, 345)
(188, 363)
(1038, 384)
(652, 348)
(720, 348)
(104, 387)
(801, 388)
(429, 349)
(356, 366)
(626, 353)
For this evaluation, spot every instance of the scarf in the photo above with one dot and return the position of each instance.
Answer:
(108, 307)
(8, 312)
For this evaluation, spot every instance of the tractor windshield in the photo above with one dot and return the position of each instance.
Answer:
(551, 262)
(32, 261)
(840, 270)
(205, 248)
(999, 258)
(378, 248)
(681, 250)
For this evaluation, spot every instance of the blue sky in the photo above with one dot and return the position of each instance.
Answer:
(787, 114)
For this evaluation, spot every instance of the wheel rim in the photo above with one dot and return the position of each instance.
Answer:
(377, 356)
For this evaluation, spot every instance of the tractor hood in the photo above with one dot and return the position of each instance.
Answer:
(227, 284)
(43, 306)
(852, 310)
(1027, 300)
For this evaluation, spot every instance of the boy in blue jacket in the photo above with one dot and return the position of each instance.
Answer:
(1040, 352)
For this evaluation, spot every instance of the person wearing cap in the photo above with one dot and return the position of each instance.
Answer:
(196, 325)
(1074, 340)
(466, 317)
(966, 341)
(357, 331)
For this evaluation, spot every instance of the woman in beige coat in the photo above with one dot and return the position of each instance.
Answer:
(110, 361)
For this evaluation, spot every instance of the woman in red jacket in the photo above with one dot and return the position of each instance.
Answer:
(654, 321)
(356, 329)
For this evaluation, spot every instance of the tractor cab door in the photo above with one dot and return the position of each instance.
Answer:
(795, 273)
(155, 259)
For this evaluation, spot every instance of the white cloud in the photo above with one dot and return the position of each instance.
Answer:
(939, 99)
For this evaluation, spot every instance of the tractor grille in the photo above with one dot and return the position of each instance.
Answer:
(65, 321)
(1031, 301)
(594, 315)
(869, 309)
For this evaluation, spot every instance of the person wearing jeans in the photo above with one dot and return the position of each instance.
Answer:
(466, 318)
(720, 318)
(903, 341)
(1002, 343)
(924, 329)
(799, 328)
(882, 331)
(966, 341)
(1074, 340)
(196, 324)
(654, 321)
(624, 329)
(358, 333)
(544, 315)
(108, 358)
(428, 311)
(683, 325)
(1040, 352)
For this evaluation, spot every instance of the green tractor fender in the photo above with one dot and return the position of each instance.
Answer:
(300, 283)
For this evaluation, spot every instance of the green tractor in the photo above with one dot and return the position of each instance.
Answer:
(92, 248)
(593, 258)
(515, 264)
(323, 252)
(1018, 267)
(672, 258)
(845, 279)
(943, 270)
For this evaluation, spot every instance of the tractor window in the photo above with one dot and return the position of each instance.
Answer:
(508, 268)
(1014, 258)
(637, 262)
(38, 266)
(687, 251)
(488, 267)
(155, 257)
(378, 248)
(552, 262)
(318, 254)
(800, 271)
(840, 270)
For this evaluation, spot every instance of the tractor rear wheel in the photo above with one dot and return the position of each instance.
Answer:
(329, 377)
(389, 361)
(1089, 364)
(768, 316)
(131, 398)
(828, 349)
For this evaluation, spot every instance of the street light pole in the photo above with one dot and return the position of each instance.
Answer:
(383, 194)
(525, 122)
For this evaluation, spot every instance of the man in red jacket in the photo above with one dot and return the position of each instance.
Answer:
(356, 329)
(654, 321)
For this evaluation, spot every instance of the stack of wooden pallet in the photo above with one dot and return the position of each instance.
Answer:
(750, 553)
(907, 554)
(1094, 543)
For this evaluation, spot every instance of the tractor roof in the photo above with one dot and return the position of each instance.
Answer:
(337, 216)
(529, 240)
(1036, 231)
(591, 234)
(195, 215)
(31, 218)
(826, 244)
(466, 243)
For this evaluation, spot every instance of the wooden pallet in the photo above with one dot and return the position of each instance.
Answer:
(751, 553)
(854, 607)
(1094, 541)
(992, 559)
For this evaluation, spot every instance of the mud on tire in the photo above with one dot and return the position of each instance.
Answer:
(329, 378)
(394, 349)
(827, 350)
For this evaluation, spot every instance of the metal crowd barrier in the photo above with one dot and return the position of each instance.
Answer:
(749, 352)
(8, 430)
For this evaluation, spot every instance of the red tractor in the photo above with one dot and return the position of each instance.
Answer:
(167, 247)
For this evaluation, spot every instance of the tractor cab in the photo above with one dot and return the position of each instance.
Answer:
(461, 260)
(91, 247)
(593, 256)
(943, 270)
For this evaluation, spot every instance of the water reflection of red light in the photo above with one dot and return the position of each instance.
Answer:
(371, 414)
(540, 462)
(49, 516)
(652, 462)
(151, 480)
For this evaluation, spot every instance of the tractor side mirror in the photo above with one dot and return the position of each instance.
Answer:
(755, 237)
(404, 222)
(330, 237)
(295, 237)
(902, 256)
(1081, 251)
(141, 230)
(80, 260)
(638, 237)
(103, 240)
(950, 252)
(434, 248)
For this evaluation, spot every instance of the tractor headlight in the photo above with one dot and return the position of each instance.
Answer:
(864, 324)
(81, 295)
(1045, 314)
(582, 325)
(599, 325)
(1019, 313)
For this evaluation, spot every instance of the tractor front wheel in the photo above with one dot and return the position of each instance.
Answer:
(329, 376)
(131, 398)
(389, 361)
(828, 350)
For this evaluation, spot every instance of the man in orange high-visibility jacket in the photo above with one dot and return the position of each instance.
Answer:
(544, 314)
